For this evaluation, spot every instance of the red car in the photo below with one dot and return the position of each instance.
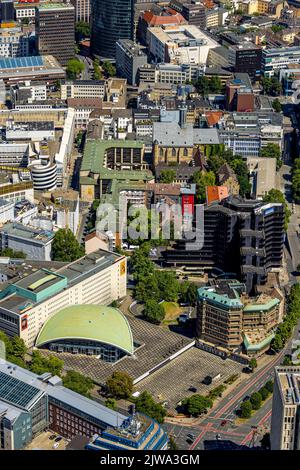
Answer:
(223, 423)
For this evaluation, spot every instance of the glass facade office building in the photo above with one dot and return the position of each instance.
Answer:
(111, 20)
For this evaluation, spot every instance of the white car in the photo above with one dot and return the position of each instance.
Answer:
(55, 445)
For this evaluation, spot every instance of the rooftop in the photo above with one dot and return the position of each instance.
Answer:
(90, 322)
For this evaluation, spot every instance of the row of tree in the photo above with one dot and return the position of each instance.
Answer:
(296, 180)
(285, 329)
(256, 399)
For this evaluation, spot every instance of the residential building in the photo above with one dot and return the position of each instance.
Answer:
(25, 10)
(239, 94)
(42, 402)
(51, 18)
(129, 58)
(98, 278)
(285, 426)
(185, 44)
(111, 20)
(227, 177)
(82, 89)
(83, 107)
(215, 193)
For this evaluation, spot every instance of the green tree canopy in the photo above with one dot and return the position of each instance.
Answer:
(277, 105)
(74, 68)
(145, 404)
(78, 383)
(154, 312)
(41, 364)
(197, 404)
(253, 364)
(82, 30)
(203, 179)
(120, 385)
(188, 292)
(167, 176)
(111, 403)
(65, 247)
(264, 392)
(256, 400)
(108, 68)
(246, 409)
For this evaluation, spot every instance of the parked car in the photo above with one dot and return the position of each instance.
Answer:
(58, 439)
(192, 389)
(53, 436)
(223, 422)
(55, 445)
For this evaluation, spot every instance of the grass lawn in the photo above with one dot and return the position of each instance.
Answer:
(172, 311)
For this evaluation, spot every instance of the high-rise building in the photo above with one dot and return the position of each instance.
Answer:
(55, 30)
(111, 20)
(246, 58)
(129, 57)
(241, 236)
(7, 11)
(285, 423)
(193, 12)
(82, 10)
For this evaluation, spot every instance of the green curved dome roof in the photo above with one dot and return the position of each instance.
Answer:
(90, 322)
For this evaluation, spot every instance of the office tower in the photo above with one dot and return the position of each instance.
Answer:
(129, 58)
(55, 30)
(241, 236)
(246, 58)
(7, 11)
(111, 20)
(82, 10)
(285, 423)
(192, 11)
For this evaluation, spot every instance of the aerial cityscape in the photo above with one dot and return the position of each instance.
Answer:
(149, 227)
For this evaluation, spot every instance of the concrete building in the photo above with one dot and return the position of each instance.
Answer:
(192, 11)
(6, 211)
(41, 402)
(36, 244)
(273, 60)
(28, 92)
(150, 19)
(184, 44)
(13, 42)
(35, 68)
(17, 191)
(129, 58)
(82, 89)
(246, 58)
(262, 175)
(51, 18)
(34, 131)
(98, 278)
(285, 426)
(25, 10)
(227, 317)
(82, 10)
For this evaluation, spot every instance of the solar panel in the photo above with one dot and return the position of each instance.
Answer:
(15, 391)
(19, 62)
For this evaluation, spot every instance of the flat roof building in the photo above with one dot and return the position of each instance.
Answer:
(285, 425)
(34, 68)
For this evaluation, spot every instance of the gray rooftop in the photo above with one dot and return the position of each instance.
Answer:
(170, 134)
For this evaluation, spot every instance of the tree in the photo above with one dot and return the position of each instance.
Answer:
(203, 179)
(167, 176)
(277, 27)
(120, 385)
(65, 247)
(108, 68)
(246, 409)
(188, 292)
(197, 404)
(168, 285)
(272, 151)
(271, 86)
(172, 443)
(78, 383)
(19, 349)
(264, 392)
(256, 400)
(154, 312)
(269, 386)
(40, 364)
(82, 30)
(74, 68)
(13, 254)
(110, 403)
(277, 105)
(145, 404)
(253, 364)
(274, 195)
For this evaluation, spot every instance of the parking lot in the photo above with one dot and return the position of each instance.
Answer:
(43, 442)
(172, 382)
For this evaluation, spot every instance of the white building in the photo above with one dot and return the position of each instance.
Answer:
(13, 43)
(28, 92)
(24, 10)
(82, 89)
(67, 215)
(6, 210)
(36, 244)
(34, 131)
(98, 278)
(185, 44)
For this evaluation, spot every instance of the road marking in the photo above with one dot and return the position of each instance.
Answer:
(202, 433)
(249, 436)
